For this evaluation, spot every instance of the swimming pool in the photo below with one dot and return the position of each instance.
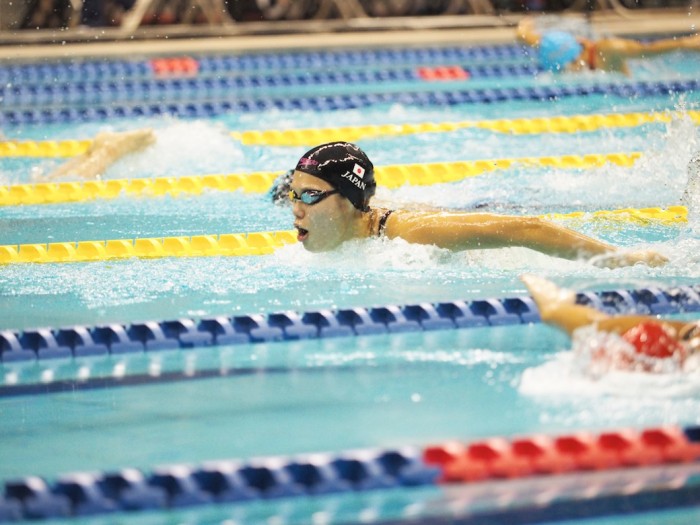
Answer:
(146, 408)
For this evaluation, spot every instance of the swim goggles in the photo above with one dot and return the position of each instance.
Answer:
(310, 197)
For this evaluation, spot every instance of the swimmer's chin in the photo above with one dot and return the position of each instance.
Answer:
(316, 249)
(311, 247)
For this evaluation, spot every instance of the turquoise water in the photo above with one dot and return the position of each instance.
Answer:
(56, 295)
(293, 398)
(289, 398)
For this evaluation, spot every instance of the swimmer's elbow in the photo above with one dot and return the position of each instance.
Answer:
(550, 238)
(535, 227)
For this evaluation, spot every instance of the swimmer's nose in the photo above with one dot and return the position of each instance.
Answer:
(298, 209)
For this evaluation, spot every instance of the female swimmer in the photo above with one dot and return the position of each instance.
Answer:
(642, 343)
(561, 50)
(331, 187)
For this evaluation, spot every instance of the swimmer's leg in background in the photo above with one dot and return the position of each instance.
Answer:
(105, 150)
(557, 307)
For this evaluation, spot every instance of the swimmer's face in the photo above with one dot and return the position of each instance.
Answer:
(326, 224)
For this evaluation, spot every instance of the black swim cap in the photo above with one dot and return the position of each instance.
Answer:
(345, 167)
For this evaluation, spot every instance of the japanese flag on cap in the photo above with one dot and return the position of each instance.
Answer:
(346, 167)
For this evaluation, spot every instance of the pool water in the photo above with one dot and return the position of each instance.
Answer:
(289, 398)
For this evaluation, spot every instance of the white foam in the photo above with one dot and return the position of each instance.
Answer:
(184, 148)
(582, 372)
(656, 179)
(369, 255)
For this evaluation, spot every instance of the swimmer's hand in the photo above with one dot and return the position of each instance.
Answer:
(621, 258)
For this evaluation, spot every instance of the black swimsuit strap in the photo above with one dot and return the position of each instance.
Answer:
(382, 222)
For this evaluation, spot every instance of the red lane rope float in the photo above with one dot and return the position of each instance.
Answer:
(442, 73)
(351, 471)
(499, 458)
(175, 67)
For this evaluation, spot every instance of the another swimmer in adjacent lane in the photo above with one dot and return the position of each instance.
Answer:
(333, 183)
(563, 51)
(636, 343)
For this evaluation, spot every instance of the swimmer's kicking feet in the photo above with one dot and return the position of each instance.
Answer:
(106, 148)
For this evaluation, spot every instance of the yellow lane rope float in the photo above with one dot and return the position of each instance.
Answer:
(260, 182)
(559, 124)
(246, 244)
(44, 148)
(312, 136)
(233, 244)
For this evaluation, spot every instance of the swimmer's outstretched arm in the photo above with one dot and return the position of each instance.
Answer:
(464, 231)
(557, 307)
(637, 49)
(106, 149)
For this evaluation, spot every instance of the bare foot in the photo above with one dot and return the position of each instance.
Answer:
(547, 295)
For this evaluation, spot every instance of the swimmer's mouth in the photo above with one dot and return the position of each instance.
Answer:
(301, 233)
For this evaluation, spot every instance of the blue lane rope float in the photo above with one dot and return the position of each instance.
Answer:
(264, 62)
(115, 338)
(228, 103)
(536, 461)
(102, 91)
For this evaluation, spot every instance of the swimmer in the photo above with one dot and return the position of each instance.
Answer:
(331, 188)
(561, 50)
(105, 150)
(646, 340)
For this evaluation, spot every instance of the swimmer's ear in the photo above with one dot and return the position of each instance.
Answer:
(279, 192)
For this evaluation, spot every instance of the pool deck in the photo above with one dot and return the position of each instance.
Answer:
(28, 45)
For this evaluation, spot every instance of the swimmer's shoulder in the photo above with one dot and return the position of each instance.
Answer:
(397, 222)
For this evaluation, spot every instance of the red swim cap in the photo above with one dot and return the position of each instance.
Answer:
(653, 340)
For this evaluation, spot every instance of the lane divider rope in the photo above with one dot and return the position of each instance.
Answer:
(219, 63)
(229, 244)
(214, 103)
(420, 174)
(79, 191)
(43, 148)
(310, 136)
(184, 333)
(629, 453)
(182, 85)
(537, 125)
(256, 243)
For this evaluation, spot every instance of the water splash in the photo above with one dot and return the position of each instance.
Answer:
(691, 193)
(591, 368)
